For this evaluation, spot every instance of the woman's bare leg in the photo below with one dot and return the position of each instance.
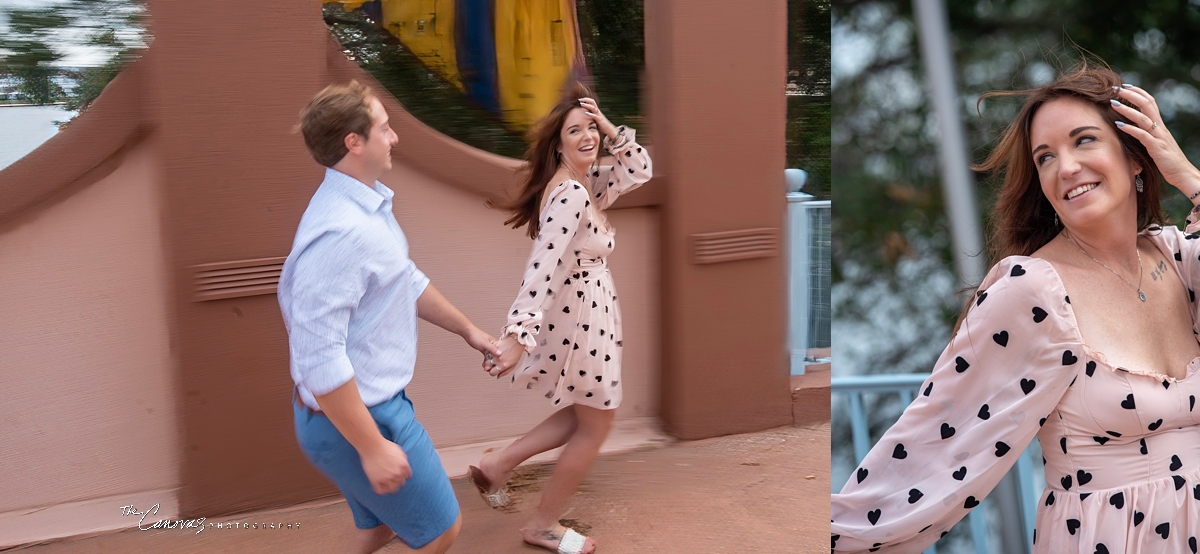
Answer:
(551, 433)
(573, 465)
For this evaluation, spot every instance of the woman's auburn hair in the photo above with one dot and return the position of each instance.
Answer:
(541, 162)
(1023, 218)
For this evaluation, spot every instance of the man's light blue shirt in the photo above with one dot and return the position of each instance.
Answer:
(348, 293)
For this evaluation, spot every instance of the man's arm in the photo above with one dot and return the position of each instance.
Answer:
(383, 461)
(434, 308)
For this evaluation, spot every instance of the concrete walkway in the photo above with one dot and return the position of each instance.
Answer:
(759, 492)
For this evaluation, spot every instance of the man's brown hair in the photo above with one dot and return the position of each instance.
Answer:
(333, 113)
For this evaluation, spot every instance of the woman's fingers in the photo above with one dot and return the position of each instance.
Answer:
(1140, 118)
(1142, 100)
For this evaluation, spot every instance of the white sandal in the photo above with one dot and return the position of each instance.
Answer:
(495, 500)
(571, 543)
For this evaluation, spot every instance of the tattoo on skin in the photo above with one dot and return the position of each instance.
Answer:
(1159, 270)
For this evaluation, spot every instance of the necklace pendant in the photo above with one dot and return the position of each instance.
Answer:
(1142, 296)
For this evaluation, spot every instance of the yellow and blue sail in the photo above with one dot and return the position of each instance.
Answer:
(512, 57)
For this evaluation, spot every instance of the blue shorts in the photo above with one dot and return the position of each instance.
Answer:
(422, 510)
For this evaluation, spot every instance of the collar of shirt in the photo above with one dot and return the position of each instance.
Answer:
(370, 198)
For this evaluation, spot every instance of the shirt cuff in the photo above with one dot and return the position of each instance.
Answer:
(324, 378)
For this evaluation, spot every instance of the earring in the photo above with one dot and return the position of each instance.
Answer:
(1056, 220)
(1137, 182)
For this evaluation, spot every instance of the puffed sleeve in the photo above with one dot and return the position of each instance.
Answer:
(1006, 368)
(560, 220)
(631, 167)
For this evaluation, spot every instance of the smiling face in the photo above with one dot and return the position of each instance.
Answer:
(377, 150)
(1080, 164)
(580, 139)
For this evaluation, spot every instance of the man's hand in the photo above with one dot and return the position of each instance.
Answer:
(386, 467)
(485, 344)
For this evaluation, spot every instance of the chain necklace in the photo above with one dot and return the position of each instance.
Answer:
(1141, 296)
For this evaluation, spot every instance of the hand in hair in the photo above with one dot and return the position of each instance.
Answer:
(1150, 130)
(593, 109)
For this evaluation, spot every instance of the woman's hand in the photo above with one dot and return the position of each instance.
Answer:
(1149, 129)
(510, 354)
(593, 109)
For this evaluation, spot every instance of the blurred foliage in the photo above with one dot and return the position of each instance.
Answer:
(885, 135)
(614, 51)
(808, 101)
(37, 38)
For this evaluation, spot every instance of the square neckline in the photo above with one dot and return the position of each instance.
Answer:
(1098, 356)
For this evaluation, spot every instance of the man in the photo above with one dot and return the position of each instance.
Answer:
(350, 297)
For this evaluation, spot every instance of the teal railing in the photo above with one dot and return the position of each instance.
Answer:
(1016, 514)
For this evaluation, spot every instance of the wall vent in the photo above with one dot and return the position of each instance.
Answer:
(217, 281)
(728, 246)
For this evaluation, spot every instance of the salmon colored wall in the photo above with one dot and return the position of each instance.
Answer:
(88, 406)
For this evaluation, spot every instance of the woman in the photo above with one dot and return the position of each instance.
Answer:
(1082, 334)
(563, 336)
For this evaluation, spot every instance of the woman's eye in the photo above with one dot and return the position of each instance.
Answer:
(1084, 139)
(1041, 159)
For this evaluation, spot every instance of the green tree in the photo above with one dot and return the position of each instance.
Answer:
(38, 38)
(809, 113)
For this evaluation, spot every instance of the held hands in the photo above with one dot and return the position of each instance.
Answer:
(1149, 129)
(592, 109)
(386, 467)
(485, 344)
(511, 352)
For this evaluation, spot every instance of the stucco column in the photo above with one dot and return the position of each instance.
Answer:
(229, 80)
(715, 73)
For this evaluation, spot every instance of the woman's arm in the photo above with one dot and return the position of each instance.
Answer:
(560, 221)
(1005, 370)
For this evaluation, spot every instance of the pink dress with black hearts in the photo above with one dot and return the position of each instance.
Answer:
(566, 314)
(1122, 446)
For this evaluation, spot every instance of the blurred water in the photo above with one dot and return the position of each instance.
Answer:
(24, 128)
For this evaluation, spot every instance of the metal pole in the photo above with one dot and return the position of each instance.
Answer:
(957, 182)
(958, 189)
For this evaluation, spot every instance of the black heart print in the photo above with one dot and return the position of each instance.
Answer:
(1072, 525)
(960, 365)
(1091, 368)
(1027, 385)
(960, 474)
(1179, 481)
(928, 389)
(1063, 443)
(1163, 529)
(1117, 500)
(1101, 440)
(947, 431)
(1083, 477)
(914, 495)
(1017, 271)
(873, 516)
(1069, 358)
(982, 296)
(1065, 482)
(1039, 314)
(1143, 442)
(1176, 463)
(970, 503)
(1137, 518)
(1128, 403)
(1001, 338)
(1002, 449)
(1050, 499)
(983, 412)
(1101, 549)
(1154, 426)
(899, 453)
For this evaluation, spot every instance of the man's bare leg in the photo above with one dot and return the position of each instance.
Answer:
(366, 541)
